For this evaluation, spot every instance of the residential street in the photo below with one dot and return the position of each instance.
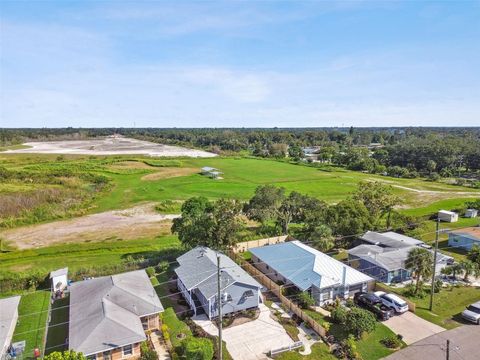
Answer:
(463, 346)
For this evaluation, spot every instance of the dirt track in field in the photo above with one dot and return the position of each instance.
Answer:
(170, 172)
(139, 221)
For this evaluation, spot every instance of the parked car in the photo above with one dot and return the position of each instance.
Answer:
(373, 303)
(393, 302)
(472, 313)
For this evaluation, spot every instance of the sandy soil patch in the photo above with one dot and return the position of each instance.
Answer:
(122, 165)
(139, 221)
(111, 145)
(170, 172)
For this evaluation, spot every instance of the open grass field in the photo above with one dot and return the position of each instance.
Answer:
(84, 255)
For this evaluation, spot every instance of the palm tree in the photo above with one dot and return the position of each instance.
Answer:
(419, 262)
(467, 268)
(322, 237)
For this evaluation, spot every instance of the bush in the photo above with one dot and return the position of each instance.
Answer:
(147, 353)
(165, 332)
(350, 348)
(339, 315)
(359, 321)
(150, 271)
(162, 266)
(392, 341)
(305, 300)
(197, 348)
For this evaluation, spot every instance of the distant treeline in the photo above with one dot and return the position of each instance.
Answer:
(401, 152)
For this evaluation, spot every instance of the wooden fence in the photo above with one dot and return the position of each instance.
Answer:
(277, 290)
(244, 246)
(381, 287)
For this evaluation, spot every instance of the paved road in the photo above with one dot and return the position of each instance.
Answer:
(412, 327)
(464, 345)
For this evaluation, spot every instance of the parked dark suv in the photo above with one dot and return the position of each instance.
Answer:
(373, 303)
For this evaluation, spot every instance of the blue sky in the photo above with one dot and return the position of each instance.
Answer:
(239, 64)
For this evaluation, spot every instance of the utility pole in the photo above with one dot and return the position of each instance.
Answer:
(448, 350)
(434, 262)
(219, 304)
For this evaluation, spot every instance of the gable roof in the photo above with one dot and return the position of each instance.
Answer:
(8, 315)
(470, 232)
(198, 269)
(390, 239)
(105, 312)
(388, 258)
(305, 266)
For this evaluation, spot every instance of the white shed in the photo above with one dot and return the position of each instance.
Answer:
(471, 213)
(59, 279)
(8, 321)
(447, 216)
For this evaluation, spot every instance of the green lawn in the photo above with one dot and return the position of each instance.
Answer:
(81, 255)
(447, 305)
(319, 351)
(243, 175)
(32, 317)
(58, 328)
(175, 326)
(369, 346)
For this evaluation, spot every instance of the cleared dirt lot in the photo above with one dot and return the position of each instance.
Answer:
(167, 172)
(126, 224)
(109, 146)
(412, 327)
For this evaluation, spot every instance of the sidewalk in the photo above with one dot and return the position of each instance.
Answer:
(159, 346)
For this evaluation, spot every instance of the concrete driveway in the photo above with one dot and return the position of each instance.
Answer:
(252, 340)
(412, 327)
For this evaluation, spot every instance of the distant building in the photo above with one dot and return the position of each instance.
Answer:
(211, 172)
(197, 280)
(383, 256)
(323, 277)
(464, 238)
(59, 279)
(471, 213)
(8, 321)
(447, 216)
(109, 315)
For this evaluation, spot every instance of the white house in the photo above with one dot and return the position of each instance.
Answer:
(471, 213)
(59, 279)
(448, 216)
(8, 321)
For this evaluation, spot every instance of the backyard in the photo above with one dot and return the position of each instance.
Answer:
(58, 327)
(32, 318)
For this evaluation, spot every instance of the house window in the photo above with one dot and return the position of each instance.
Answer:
(145, 323)
(92, 357)
(127, 350)
(107, 355)
(248, 294)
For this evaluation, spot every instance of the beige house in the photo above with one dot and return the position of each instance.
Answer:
(110, 315)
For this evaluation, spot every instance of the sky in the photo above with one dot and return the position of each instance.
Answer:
(239, 63)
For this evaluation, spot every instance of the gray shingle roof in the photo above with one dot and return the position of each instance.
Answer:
(8, 311)
(105, 312)
(390, 239)
(198, 269)
(305, 266)
(388, 258)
